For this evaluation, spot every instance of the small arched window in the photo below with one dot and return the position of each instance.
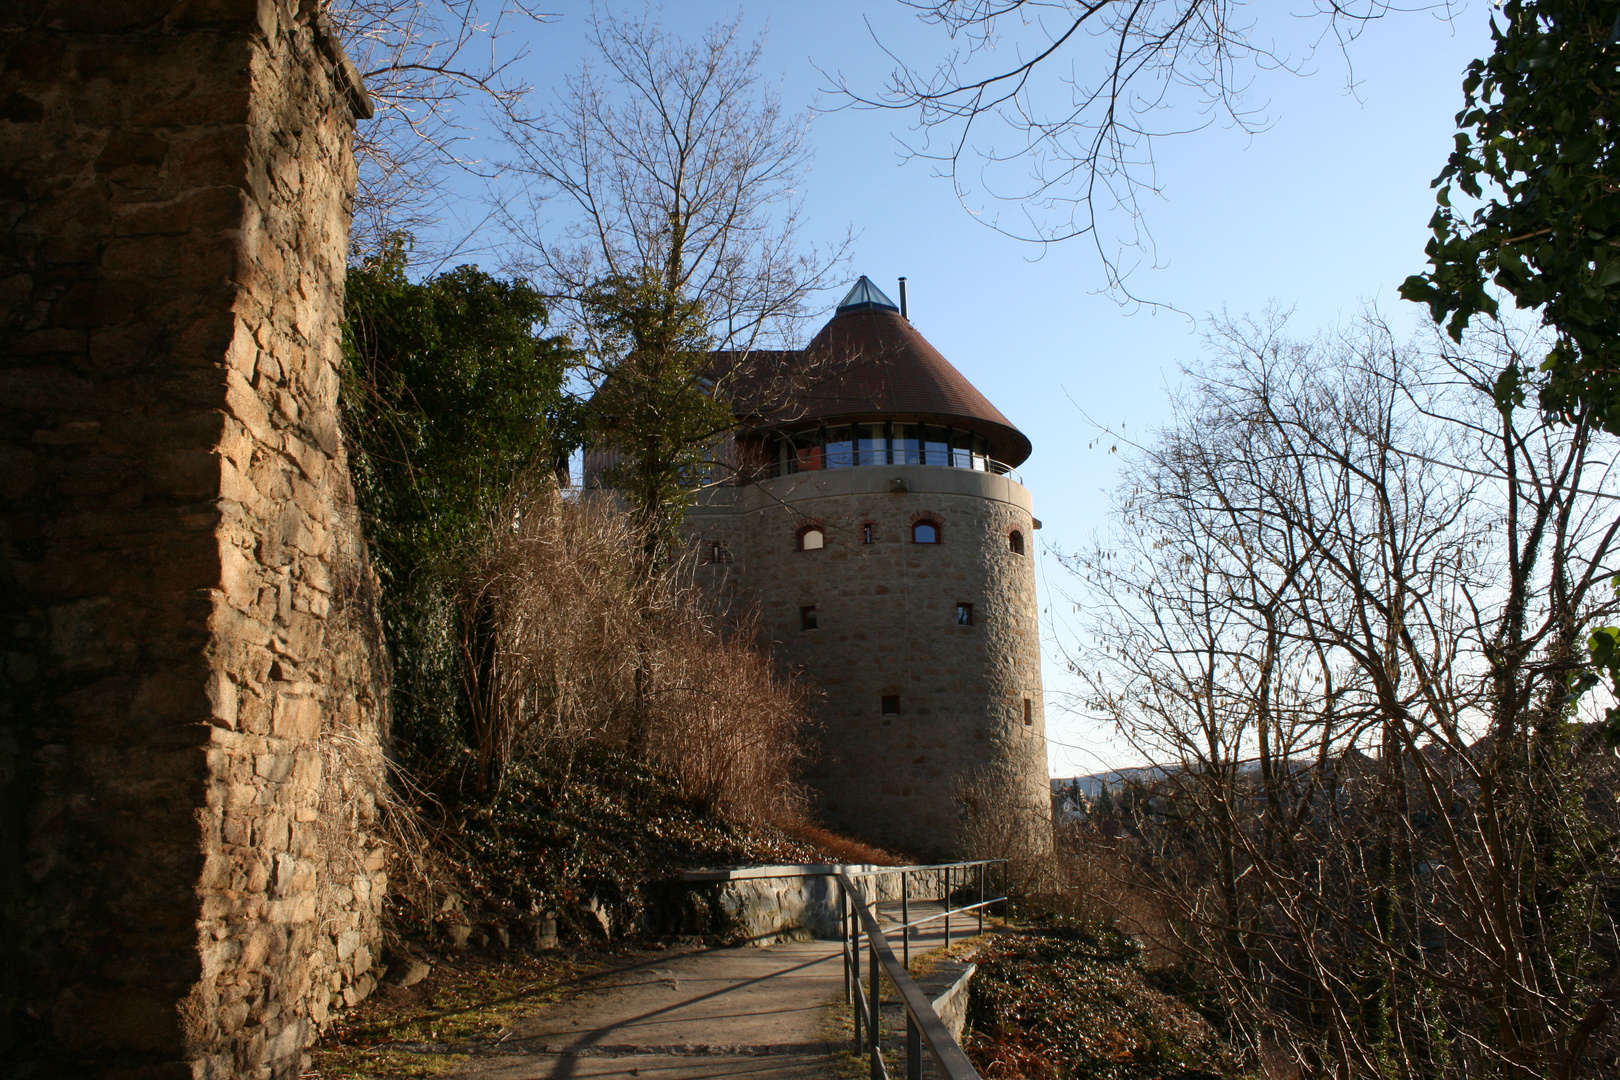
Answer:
(812, 538)
(925, 532)
(1015, 541)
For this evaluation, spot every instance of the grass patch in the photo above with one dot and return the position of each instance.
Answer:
(469, 999)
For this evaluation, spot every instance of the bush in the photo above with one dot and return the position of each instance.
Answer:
(1067, 999)
(574, 640)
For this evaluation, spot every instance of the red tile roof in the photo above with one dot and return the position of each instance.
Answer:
(873, 364)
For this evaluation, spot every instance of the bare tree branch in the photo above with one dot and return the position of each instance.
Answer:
(1054, 108)
(1343, 606)
(436, 71)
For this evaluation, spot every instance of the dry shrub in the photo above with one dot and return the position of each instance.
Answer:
(721, 719)
(842, 848)
(573, 640)
(1000, 820)
(1097, 883)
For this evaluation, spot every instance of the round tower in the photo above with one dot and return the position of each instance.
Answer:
(889, 544)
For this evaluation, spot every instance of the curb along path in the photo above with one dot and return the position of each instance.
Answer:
(712, 1013)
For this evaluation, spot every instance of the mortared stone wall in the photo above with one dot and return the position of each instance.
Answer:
(192, 698)
(886, 626)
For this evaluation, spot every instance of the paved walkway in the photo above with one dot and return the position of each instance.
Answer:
(714, 1013)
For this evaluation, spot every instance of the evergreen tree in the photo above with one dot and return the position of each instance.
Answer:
(453, 397)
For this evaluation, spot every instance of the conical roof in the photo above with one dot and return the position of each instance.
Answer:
(873, 364)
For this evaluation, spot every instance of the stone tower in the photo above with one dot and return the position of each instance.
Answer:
(881, 528)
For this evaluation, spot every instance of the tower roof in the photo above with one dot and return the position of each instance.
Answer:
(868, 363)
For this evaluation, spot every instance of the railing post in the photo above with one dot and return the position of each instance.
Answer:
(905, 922)
(946, 903)
(854, 961)
(874, 1034)
(981, 897)
(843, 934)
(913, 1050)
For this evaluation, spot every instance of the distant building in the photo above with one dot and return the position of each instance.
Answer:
(878, 522)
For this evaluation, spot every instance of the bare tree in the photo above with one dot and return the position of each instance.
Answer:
(665, 220)
(436, 70)
(1055, 106)
(1343, 606)
(672, 164)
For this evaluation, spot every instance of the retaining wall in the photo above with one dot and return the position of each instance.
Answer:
(762, 905)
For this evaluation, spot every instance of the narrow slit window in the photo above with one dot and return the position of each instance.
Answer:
(1029, 712)
(891, 704)
(964, 614)
(807, 619)
(868, 533)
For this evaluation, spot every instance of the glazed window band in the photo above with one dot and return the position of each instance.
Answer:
(844, 446)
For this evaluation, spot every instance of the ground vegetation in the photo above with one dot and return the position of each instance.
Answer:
(1059, 997)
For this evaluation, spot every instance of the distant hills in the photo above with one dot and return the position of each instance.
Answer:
(1092, 785)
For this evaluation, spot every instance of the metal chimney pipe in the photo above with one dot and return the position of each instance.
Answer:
(903, 299)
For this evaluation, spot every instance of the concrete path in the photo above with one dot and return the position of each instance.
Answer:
(714, 1013)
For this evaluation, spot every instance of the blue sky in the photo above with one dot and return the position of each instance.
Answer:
(1322, 212)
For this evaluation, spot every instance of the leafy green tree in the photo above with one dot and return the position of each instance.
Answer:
(655, 402)
(1537, 158)
(453, 397)
(454, 394)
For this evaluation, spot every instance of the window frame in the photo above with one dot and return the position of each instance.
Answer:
(807, 618)
(806, 530)
(1015, 541)
(932, 523)
(964, 613)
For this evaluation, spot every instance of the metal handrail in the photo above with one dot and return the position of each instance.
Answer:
(923, 1025)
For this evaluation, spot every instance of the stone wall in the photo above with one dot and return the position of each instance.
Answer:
(191, 693)
(763, 905)
(886, 625)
